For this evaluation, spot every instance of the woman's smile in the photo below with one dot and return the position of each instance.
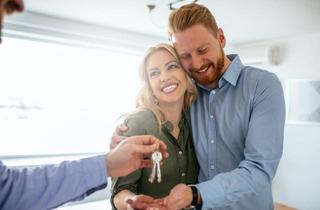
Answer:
(169, 87)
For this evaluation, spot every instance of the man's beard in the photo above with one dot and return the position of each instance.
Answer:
(215, 73)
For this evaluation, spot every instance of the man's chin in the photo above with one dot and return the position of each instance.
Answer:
(205, 81)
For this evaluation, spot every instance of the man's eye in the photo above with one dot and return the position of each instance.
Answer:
(203, 50)
(185, 56)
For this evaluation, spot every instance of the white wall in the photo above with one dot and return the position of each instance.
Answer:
(297, 182)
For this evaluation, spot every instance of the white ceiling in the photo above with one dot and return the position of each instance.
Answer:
(242, 21)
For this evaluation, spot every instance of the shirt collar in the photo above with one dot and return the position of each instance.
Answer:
(232, 73)
(168, 125)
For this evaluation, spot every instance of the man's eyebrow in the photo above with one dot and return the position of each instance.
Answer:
(183, 53)
(204, 45)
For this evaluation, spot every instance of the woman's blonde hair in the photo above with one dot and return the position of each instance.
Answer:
(146, 98)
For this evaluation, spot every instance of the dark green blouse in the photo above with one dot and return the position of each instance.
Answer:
(180, 167)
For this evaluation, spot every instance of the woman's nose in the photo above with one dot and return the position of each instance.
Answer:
(164, 76)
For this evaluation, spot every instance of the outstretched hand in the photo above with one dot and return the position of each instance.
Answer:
(180, 197)
(139, 202)
(145, 202)
(130, 154)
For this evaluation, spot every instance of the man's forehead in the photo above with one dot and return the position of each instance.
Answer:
(187, 47)
(186, 41)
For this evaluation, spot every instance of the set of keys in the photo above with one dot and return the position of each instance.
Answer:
(156, 158)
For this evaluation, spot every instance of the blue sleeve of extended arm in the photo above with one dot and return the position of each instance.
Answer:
(50, 186)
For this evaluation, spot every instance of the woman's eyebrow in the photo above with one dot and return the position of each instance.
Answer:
(169, 62)
(153, 69)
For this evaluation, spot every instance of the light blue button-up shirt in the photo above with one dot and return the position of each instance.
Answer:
(238, 136)
(51, 186)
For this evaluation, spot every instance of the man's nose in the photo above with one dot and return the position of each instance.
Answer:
(197, 62)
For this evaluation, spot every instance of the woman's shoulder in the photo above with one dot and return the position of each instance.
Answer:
(143, 115)
(142, 120)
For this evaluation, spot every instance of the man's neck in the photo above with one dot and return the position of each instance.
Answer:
(226, 65)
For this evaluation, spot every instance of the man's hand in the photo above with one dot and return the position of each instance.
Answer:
(116, 138)
(129, 155)
(180, 197)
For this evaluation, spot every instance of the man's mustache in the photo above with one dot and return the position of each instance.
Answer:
(204, 66)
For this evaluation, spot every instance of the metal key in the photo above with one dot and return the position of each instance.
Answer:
(158, 171)
(153, 172)
(156, 157)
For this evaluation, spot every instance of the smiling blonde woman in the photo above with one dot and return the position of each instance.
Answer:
(162, 111)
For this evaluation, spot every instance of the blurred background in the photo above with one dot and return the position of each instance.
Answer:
(69, 70)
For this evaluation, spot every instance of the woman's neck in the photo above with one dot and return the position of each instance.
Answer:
(172, 112)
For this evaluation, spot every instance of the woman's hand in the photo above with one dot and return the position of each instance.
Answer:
(139, 202)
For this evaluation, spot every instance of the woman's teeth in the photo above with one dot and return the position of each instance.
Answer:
(169, 88)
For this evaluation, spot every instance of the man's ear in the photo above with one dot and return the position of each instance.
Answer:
(221, 38)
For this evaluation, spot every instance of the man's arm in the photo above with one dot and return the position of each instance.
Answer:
(263, 150)
(50, 186)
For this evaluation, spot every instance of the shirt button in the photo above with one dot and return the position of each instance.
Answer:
(212, 141)
(183, 174)
(211, 116)
(211, 167)
(180, 152)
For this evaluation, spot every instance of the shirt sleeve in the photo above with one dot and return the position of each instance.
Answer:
(50, 186)
(262, 153)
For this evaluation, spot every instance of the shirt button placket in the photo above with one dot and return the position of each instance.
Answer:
(211, 135)
(212, 167)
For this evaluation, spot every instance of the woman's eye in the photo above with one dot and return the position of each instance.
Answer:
(153, 74)
(173, 66)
